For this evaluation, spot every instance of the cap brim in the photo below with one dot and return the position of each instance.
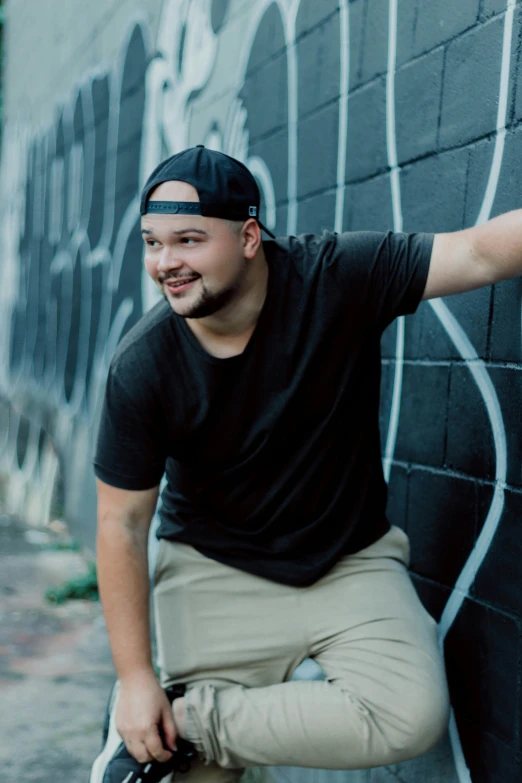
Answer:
(265, 229)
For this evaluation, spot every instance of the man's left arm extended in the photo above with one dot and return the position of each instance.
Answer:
(475, 257)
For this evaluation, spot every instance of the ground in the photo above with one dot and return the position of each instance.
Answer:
(55, 663)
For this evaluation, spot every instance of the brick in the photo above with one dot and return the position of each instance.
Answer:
(375, 42)
(357, 15)
(218, 14)
(274, 152)
(442, 21)
(389, 341)
(433, 596)
(472, 311)
(312, 13)
(316, 214)
(317, 151)
(482, 649)
(130, 123)
(442, 514)
(96, 213)
(265, 97)
(135, 63)
(407, 15)
(17, 344)
(469, 439)
(426, 338)
(387, 375)
(492, 7)
(100, 98)
(319, 61)
(509, 191)
(514, 77)
(121, 202)
(496, 760)
(369, 206)
(78, 118)
(22, 440)
(432, 192)
(471, 85)
(367, 154)
(480, 160)
(281, 228)
(505, 344)
(417, 98)
(508, 385)
(499, 581)
(127, 172)
(73, 336)
(420, 435)
(269, 41)
(98, 286)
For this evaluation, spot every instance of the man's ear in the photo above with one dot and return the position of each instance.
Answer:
(251, 234)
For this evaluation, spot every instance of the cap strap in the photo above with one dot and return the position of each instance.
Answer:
(193, 208)
(174, 207)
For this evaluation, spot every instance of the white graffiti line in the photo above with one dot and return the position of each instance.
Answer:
(344, 87)
(461, 768)
(391, 146)
(498, 154)
(478, 371)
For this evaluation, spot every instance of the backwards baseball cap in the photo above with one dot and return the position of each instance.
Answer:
(226, 188)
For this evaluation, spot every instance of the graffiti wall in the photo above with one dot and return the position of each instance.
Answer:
(352, 114)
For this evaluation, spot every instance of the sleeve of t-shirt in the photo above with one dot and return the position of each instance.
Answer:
(130, 451)
(386, 271)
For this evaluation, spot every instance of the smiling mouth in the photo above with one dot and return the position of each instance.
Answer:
(180, 284)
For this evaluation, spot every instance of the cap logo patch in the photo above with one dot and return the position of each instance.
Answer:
(252, 211)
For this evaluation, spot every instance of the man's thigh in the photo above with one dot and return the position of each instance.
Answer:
(372, 637)
(222, 625)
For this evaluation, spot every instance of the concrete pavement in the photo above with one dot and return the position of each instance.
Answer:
(55, 663)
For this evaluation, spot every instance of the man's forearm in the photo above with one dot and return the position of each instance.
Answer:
(124, 591)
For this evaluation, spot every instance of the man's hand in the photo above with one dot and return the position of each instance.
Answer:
(143, 716)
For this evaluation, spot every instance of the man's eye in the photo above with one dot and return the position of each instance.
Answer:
(151, 242)
(188, 239)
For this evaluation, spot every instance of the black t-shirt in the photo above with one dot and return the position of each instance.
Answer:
(272, 457)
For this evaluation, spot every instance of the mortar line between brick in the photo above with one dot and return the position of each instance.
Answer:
(441, 96)
(436, 471)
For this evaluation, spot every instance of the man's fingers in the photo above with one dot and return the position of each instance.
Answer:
(169, 728)
(138, 749)
(155, 745)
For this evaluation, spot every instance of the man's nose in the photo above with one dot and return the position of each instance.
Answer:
(168, 259)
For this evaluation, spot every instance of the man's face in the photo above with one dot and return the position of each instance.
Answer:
(197, 262)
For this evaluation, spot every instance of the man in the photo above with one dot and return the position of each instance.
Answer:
(254, 385)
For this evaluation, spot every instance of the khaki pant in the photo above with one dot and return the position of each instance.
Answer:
(235, 639)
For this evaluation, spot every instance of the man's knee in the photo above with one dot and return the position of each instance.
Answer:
(422, 723)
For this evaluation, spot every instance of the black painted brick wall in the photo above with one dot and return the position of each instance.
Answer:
(443, 474)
